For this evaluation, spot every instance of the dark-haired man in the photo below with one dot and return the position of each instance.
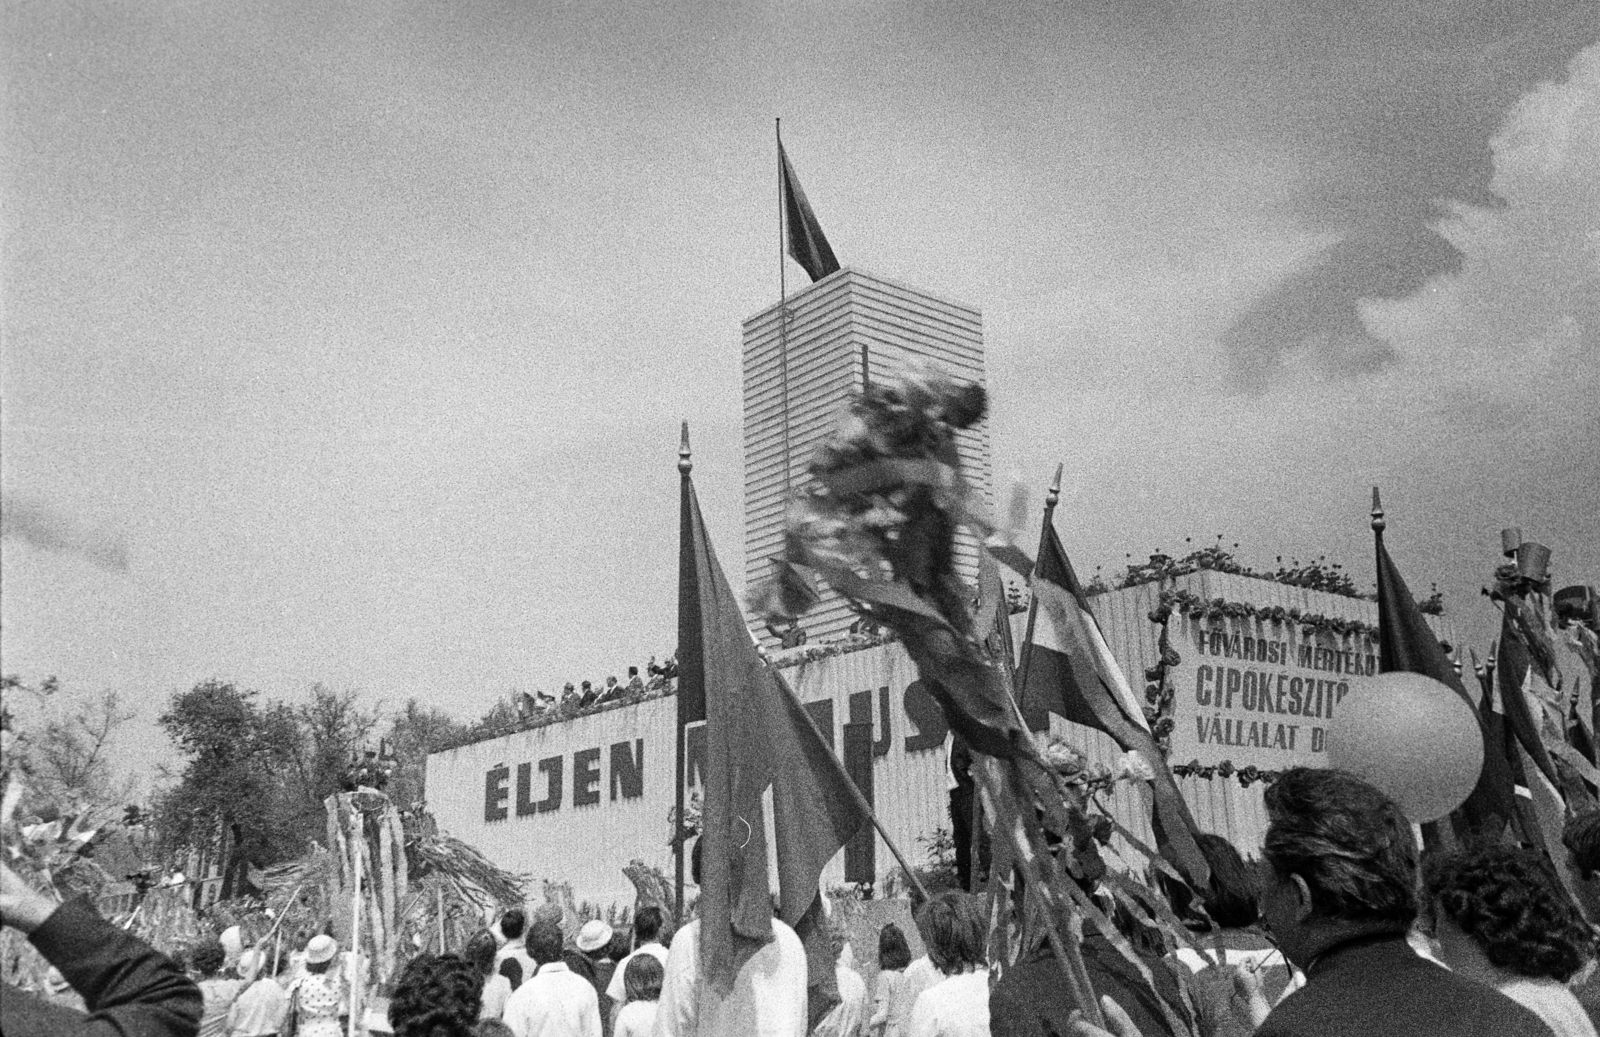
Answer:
(512, 960)
(1339, 894)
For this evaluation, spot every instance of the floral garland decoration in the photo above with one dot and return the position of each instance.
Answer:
(1318, 575)
(1196, 607)
(1247, 775)
(1159, 694)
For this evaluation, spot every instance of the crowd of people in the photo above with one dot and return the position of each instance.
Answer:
(1344, 927)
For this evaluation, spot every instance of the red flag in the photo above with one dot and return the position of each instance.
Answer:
(1070, 670)
(1406, 643)
(758, 736)
(807, 244)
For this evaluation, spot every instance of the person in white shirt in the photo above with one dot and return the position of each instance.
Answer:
(642, 988)
(919, 976)
(768, 998)
(480, 950)
(512, 926)
(260, 1010)
(953, 928)
(555, 1001)
(848, 1018)
(889, 1009)
(646, 940)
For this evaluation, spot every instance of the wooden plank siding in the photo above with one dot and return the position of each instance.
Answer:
(829, 324)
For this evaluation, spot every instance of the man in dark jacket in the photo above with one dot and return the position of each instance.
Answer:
(129, 989)
(1339, 895)
(1031, 999)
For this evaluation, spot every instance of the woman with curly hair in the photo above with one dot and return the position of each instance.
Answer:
(1500, 918)
(437, 996)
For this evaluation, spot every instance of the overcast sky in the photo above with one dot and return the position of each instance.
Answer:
(348, 342)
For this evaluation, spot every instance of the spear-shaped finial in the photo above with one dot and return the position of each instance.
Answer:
(685, 461)
(1053, 496)
(1377, 512)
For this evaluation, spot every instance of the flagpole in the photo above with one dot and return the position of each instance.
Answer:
(783, 307)
(1051, 498)
(918, 890)
(685, 466)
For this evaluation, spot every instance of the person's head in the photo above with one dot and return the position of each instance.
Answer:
(594, 937)
(1581, 836)
(544, 942)
(893, 952)
(550, 913)
(1504, 904)
(621, 944)
(694, 860)
(480, 950)
(512, 923)
(320, 952)
(647, 925)
(1234, 887)
(1341, 859)
(208, 959)
(953, 930)
(642, 978)
(436, 996)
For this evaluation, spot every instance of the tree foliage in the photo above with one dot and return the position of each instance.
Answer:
(414, 733)
(63, 749)
(255, 772)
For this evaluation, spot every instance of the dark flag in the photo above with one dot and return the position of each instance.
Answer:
(1406, 643)
(1512, 671)
(1070, 671)
(807, 244)
(758, 736)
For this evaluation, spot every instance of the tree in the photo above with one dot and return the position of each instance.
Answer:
(414, 733)
(64, 750)
(232, 790)
(331, 730)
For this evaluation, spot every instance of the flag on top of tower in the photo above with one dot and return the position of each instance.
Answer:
(807, 244)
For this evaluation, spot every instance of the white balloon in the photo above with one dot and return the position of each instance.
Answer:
(1414, 738)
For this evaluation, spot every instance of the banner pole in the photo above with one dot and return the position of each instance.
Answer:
(1051, 498)
(685, 466)
(783, 305)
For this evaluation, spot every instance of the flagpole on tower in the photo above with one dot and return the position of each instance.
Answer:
(783, 305)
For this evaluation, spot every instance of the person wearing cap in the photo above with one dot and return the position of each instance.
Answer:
(318, 997)
(593, 942)
(555, 1001)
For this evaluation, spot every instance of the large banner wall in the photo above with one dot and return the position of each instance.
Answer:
(1259, 672)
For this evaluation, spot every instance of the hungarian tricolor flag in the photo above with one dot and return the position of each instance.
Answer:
(758, 737)
(1406, 643)
(807, 244)
(1069, 670)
